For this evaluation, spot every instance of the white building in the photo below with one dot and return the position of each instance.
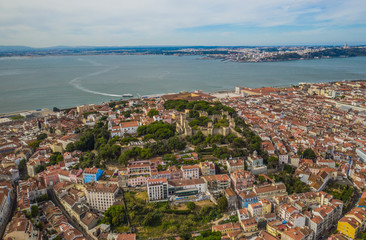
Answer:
(283, 157)
(361, 152)
(191, 171)
(291, 214)
(295, 161)
(255, 209)
(101, 196)
(157, 189)
(129, 127)
(183, 185)
(4, 205)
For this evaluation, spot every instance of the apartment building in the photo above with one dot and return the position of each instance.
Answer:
(321, 219)
(157, 189)
(232, 199)
(246, 198)
(249, 225)
(186, 187)
(292, 215)
(92, 174)
(241, 180)
(234, 165)
(190, 171)
(352, 223)
(217, 182)
(207, 168)
(270, 190)
(4, 205)
(101, 196)
(255, 209)
(226, 228)
(138, 173)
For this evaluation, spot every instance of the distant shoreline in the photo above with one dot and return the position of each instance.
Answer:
(232, 54)
(223, 91)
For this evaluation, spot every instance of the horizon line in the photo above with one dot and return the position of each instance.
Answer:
(182, 46)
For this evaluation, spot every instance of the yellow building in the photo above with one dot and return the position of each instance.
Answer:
(249, 225)
(275, 228)
(267, 206)
(226, 228)
(348, 226)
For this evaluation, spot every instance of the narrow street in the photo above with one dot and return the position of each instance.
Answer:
(73, 222)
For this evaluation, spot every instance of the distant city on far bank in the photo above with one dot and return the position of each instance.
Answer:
(224, 53)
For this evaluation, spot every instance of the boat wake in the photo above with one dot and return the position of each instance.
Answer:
(94, 63)
(76, 82)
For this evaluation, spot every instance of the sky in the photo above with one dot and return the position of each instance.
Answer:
(45, 23)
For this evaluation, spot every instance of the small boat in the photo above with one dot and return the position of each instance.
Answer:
(127, 95)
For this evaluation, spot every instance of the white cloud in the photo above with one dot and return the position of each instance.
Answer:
(116, 22)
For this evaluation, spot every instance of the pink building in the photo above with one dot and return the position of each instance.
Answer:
(74, 174)
(51, 177)
(241, 180)
(139, 173)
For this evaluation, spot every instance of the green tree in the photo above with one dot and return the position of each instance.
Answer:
(35, 144)
(289, 169)
(42, 136)
(309, 154)
(146, 153)
(175, 143)
(115, 216)
(153, 112)
(222, 204)
(272, 162)
(209, 235)
(34, 211)
(40, 168)
(193, 114)
(159, 130)
(261, 179)
(22, 167)
(70, 147)
(152, 218)
(191, 206)
(127, 114)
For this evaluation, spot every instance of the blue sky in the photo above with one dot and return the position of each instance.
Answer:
(43, 23)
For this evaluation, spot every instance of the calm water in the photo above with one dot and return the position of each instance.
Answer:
(32, 83)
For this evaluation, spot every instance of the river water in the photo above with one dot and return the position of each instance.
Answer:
(38, 82)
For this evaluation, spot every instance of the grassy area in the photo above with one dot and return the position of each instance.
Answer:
(142, 196)
(157, 220)
(200, 204)
(17, 117)
(204, 203)
(341, 192)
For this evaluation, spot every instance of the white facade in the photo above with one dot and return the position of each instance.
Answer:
(255, 209)
(157, 189)
(283, 158)
(186, 184)
(361, 152)
(190, 172)
(129, 130)
(4, 205)
(295, 161)
(101, 196)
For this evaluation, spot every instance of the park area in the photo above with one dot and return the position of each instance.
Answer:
(159, 219)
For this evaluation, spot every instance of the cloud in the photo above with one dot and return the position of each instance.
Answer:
(116, 22)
